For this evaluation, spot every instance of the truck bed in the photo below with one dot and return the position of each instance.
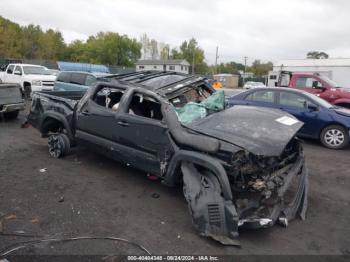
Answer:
(72, 95)
(53, 102)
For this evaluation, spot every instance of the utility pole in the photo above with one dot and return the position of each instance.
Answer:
(193, 62)
(216, 59)
(245, 68)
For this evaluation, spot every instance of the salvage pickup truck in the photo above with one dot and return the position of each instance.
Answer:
(240, 167)
(11, 101)
(318, 85)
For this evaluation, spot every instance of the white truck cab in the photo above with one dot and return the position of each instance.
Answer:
(29, 77)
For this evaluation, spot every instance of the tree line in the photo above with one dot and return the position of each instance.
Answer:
(108, 48)
(32, 42)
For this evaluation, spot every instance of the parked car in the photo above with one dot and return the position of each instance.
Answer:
(29, 77)
(328, 123)
(11, 101)
(76, 80)
(176, 127)
(252, 84)
(318, 85)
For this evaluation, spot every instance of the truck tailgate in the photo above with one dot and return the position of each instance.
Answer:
(10, 94)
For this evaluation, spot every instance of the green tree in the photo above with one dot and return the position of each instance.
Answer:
(228, 68)
(192, 53)
(260, 69)
(52, 45)
(112, 49)
(164, 52)
(317, 55)
(10, 39)
(31, 45)
(76, 51)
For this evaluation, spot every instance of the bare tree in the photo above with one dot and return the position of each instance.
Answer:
(154, 49)
(145, 41)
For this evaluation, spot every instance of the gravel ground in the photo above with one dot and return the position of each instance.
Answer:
(88, 194)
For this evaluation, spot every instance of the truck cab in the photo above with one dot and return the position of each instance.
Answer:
(318, 85)
(29, 77)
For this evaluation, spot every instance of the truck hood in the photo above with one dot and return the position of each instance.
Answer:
(261, 131)
(41, 77)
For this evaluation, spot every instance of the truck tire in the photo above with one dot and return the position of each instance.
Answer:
(27, 89)
(58, 145)
(334, 137)
(11, 115)
(67, 143)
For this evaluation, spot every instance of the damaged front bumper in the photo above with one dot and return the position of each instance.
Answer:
(219, 217)
(291, 200)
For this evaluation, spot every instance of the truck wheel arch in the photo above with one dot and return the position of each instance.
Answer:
(54, 120)
(209, 163)
(343, 103)
(208, 195)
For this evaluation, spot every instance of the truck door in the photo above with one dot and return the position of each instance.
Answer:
(8, 76)
(142, 129)
(17, 74)
(309, 84)
(108, 124)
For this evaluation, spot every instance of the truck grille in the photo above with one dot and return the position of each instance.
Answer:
(47, 83)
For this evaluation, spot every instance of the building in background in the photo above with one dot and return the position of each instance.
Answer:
(246, 74)
(177, 65)
(337, 69)
(227, 80)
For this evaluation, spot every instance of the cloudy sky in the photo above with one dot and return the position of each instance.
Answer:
(259, 29)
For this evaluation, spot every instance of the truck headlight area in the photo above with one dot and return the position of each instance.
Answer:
(36, 83)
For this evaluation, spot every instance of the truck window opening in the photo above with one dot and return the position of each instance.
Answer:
(145, 106)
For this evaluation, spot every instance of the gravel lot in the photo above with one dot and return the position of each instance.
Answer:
(88, 194)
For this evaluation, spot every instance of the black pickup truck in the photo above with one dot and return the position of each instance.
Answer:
(240, 167)
(11, 101)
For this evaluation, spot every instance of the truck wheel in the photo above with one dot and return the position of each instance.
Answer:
(58, 145)
(66, 142)
(27, 91)
(334, 137)
(11, 115)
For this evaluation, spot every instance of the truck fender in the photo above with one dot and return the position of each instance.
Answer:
(172, 175)
(342, 101)
(212, 215)
(58, 117)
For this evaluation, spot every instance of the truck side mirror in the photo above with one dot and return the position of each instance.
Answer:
(18, 73)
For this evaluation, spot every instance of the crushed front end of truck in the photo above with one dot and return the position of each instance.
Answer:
(265, 190)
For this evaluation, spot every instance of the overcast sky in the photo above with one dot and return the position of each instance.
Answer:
(259, 29)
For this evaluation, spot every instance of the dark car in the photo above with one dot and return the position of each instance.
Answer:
(328, 123)
(235, 172)
(76, 81)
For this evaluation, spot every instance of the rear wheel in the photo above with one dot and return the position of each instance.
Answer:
(335, 137)
(58, 145)
(11, 115)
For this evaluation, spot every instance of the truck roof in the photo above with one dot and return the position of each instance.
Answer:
(161, 82)
(19, 64)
